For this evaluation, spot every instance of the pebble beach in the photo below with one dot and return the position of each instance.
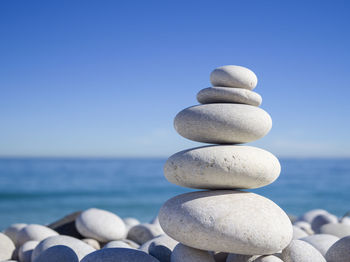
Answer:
(217, 219)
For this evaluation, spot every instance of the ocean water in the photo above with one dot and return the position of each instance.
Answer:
(43, 190)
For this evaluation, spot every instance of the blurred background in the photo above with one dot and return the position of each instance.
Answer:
(89, 90)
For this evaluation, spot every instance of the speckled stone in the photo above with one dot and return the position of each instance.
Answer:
(78, 246)
(223, 123)
(34, 232)
(7, 247)
(227, 221)
(222, 167)
(119, 254)
(101, 225)
(57, 254)
(301, 251)
(184, 253)
(234, 76)
(339, 251)
(322, 242)
(228, 95)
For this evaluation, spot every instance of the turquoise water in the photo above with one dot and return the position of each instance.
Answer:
(42, 190)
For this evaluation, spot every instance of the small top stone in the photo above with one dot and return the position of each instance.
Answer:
(234, 76)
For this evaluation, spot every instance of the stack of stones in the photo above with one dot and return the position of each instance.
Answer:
(222, 218)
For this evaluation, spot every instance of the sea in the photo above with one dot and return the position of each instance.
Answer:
(42, 190)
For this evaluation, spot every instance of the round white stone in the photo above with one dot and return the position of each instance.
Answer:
(78, 246)
(26, 250)
(7, 247)
(12, 231)
(222, 167)
(339, 251)
(223, 123)
(57, 254)
(227, 221)
(322, 242)
(184, 253)
(228, 95)
(234, 76)
(34, 232)
(301, 251)
(337, 229)
(118, 254)
(101, 225)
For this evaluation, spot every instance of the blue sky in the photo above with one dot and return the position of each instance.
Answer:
(106, 78)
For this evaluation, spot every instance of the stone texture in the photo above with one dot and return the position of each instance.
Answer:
(57, 254)
(119, 255)
(226, 221)
(298, 233)
(234, 76)
(34, 232)
(222, 167)
(322, 242)
(336, 229)
(301, 251)
(228, 95)
(12, 231)
(143, 232)
(7, 247)
(26, 250)
(223, 123)
(184, 253)
(66, 225)
(101, 225)
(78, 246)
(160, 247)
(321, 220)
(339, 251)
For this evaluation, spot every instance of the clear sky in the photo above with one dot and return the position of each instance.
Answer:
(106, 78)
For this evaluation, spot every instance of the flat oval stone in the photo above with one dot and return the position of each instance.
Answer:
(223, 123)
(184, 253)
(118, 255)
(226, 221)
(322, 242)
(228, 95)
(234, 76)
(7, 247)
(101, 225)
(57, 254)
(34, 232)
(301, 251)
(78, 246)
(222, 167)
(339, 251)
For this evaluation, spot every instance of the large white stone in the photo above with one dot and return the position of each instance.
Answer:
(336, 229)
(78, 246)
(234, 76)
(223, 123)
(7, 247)
(322, 242)
(301, 251)
(339, 251)
(34, 232)
(119, 254)
(101, 225)
(228, 95)
(227, 221)
(57, 254)
(26, 250)
(184, 253)
(222, 167)
(12, 231)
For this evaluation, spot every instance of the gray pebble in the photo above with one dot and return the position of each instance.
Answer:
(339, 251)
(184, 253)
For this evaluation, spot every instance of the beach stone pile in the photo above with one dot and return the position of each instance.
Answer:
(223, 218)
